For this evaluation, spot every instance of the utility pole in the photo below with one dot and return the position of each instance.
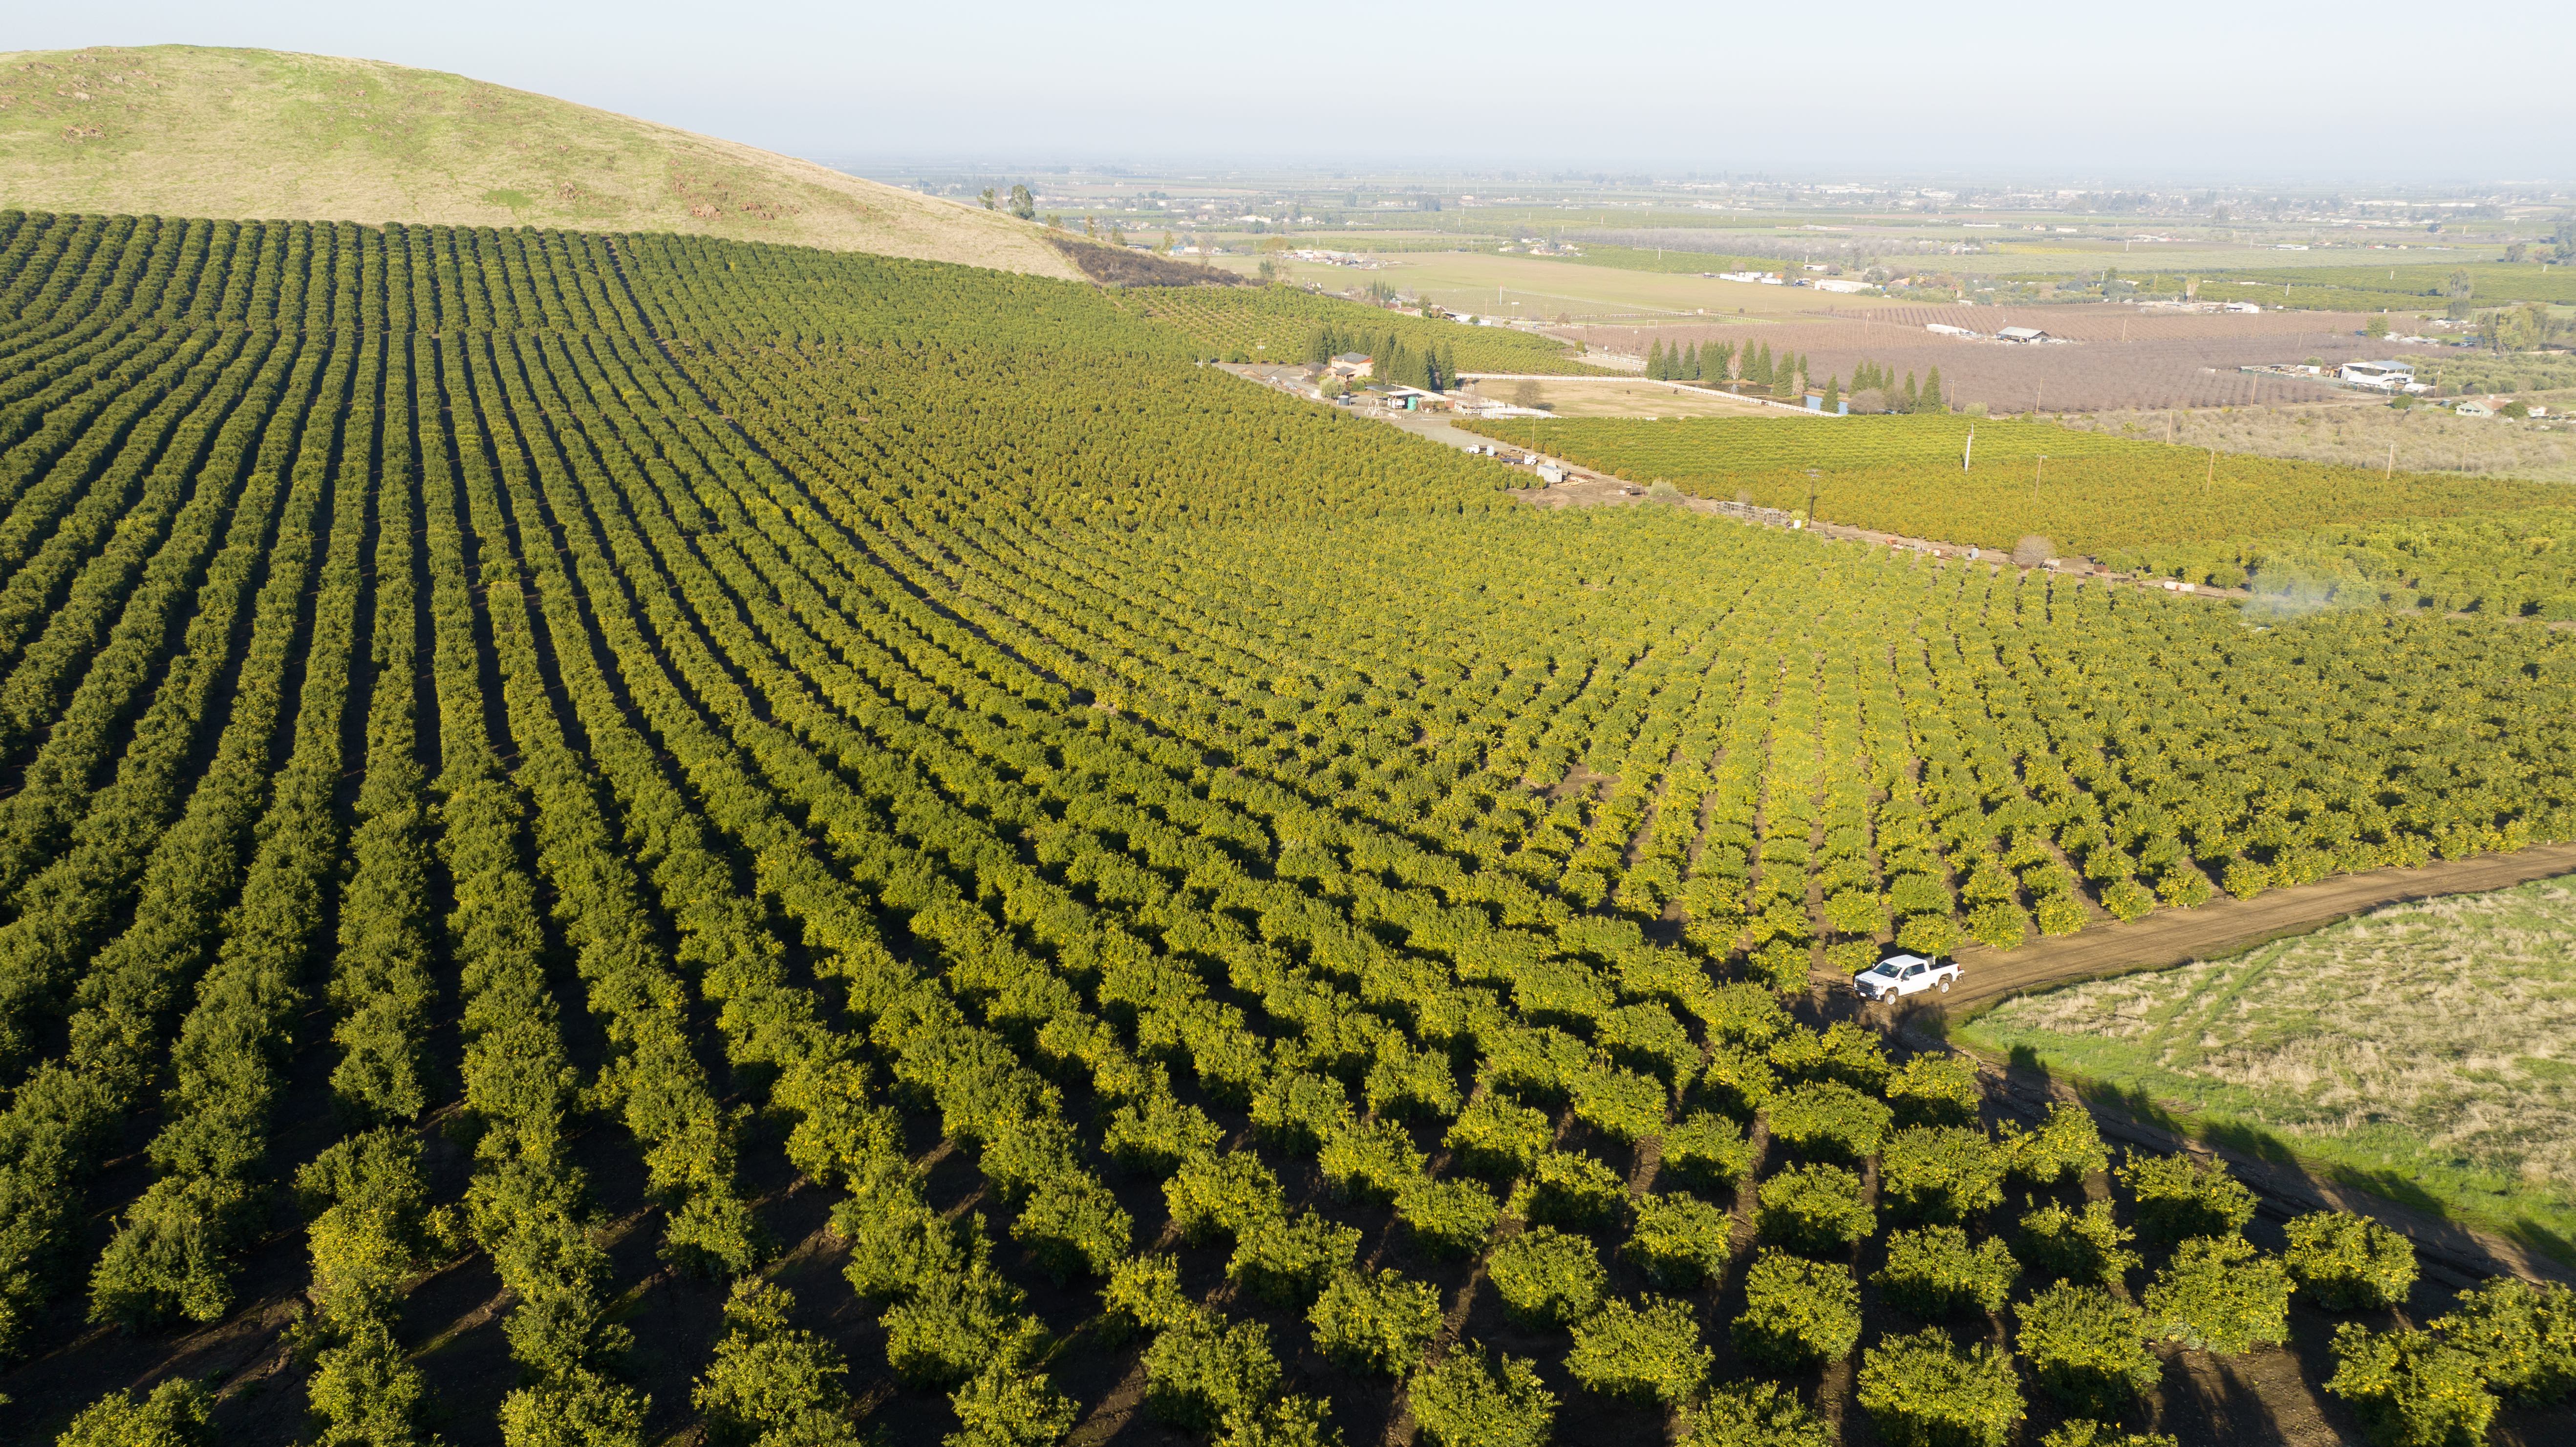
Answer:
(2390, 470)
(1968, 452)
(2034, 476)
(1811, 497)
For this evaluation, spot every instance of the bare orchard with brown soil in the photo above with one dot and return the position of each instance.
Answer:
(2116, 356)
(2366, 434)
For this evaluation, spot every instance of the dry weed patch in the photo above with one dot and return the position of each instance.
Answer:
(2431, 1043)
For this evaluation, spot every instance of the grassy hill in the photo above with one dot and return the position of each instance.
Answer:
(191, 131)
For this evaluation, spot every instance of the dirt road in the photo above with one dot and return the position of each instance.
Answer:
(2173, 936)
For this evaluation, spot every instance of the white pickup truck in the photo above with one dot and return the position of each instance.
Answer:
(1899, 975)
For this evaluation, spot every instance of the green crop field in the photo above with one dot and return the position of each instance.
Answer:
(1282, 324)
(2420, 1050)
(2418, 285)
(1546, 287)
(636, 838)
(2209, 516)
(2513, 562)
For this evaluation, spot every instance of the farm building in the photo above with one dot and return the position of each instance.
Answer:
(1352, 364)
(2386, 376)
(2024, 335)
(1947, 330)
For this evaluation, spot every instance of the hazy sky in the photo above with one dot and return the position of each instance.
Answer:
(2179, 91)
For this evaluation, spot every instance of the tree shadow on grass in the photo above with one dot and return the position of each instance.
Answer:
(2303, 1174)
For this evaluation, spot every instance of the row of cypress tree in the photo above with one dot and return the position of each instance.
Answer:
(1928, 397)
(1435, 369)
(1789, 374)
(1721, 361)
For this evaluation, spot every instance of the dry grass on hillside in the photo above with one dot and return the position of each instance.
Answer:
(191, 131)
(2425, 439)
(2434, 1042)
(1112, 265)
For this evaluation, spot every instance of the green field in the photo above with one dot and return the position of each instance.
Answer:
(629, 838)
(2420, 1052)
(1549, 287)
(2400, 286)
(2132, 503)
(1282, 324)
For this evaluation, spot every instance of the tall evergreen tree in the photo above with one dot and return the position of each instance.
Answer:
(1655, 359)
(1834, 393)
(1932, 392)
(1759, 373)
(1690, 364)
(1910, 393)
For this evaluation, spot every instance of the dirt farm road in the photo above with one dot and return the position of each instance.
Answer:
(2174, 936)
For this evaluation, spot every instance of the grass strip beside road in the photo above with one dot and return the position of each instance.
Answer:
(2424, 1051)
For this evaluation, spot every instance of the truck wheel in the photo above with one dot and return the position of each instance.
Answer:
(1945, 984)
